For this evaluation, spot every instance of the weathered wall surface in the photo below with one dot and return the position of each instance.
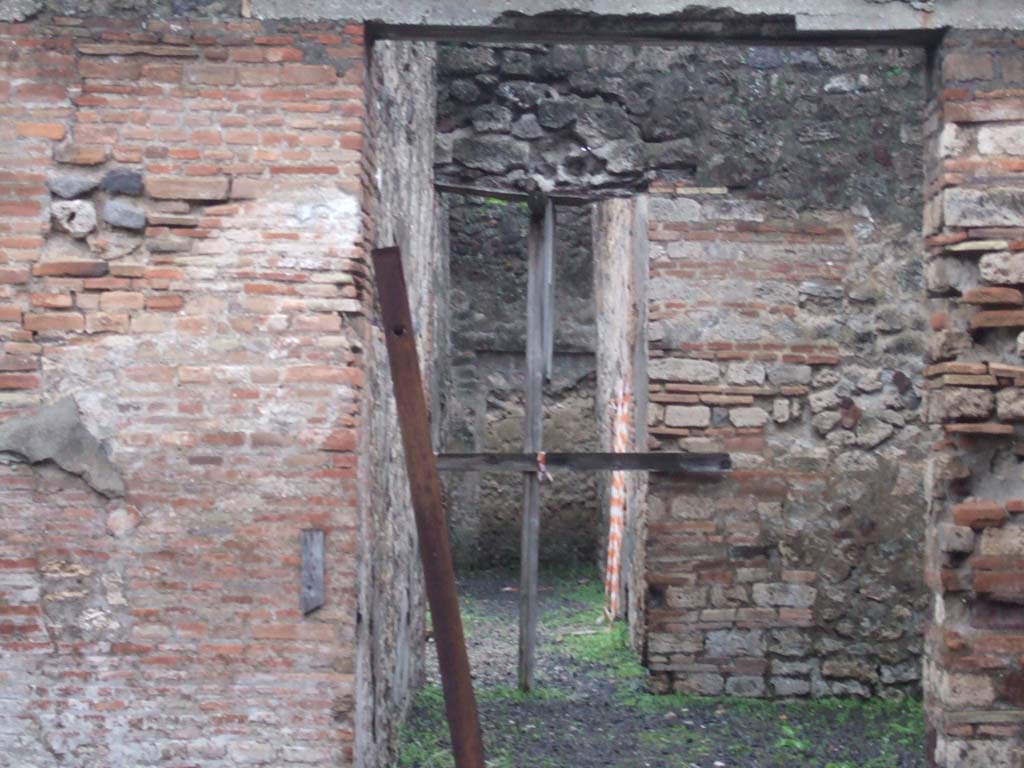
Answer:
(484, 401)
(181, 252)
(793, 343)
(762, 119)
(974, 223)
(400, 210)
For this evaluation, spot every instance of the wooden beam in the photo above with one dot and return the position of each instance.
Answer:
(547, 29)
(532, 439)
(431, 525)
(548, 289)
(311, 595)
(675, 463)
(516, 196)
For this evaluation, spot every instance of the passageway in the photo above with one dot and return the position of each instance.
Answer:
(590, 709)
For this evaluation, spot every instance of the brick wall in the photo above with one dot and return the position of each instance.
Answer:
(974, 227)
(182, 252)
(793, 342)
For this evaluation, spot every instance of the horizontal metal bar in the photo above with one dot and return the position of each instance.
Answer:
(677, 463)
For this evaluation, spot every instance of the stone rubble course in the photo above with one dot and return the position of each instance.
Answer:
(120, 213)
(70, 185)
(123, 182)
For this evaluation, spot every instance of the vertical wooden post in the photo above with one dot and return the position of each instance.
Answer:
(540, 254)
(548, 288)
(431, 525)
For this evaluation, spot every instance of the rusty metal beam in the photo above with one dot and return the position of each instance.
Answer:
(431, 524)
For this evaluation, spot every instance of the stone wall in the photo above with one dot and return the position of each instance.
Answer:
(182, 254)
(485, 397)
(974, 227)
(786, 123)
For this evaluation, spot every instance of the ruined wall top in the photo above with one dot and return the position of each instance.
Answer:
(771, 17)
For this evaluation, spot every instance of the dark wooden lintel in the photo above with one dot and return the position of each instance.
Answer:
(676, 463)
(517, 196)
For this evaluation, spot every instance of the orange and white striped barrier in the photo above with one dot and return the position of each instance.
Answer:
(617, 513)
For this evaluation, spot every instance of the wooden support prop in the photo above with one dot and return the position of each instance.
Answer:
(537, 253)
(431, 525)
(676, 463)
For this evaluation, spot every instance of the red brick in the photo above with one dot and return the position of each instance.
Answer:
(984, 111)
(308, 74)
(968, 65)
(105, 322)
(250, 138)
(278, 55)
(263, 74)
(83, 268)
(163, 374)
(123, 300)
(305, 169)
(55, 321)
(992, 295)
(108, 69)
(19, 209)
(344, 440)
(13, 276)
(52, 131)
(187, 188)
(164, 303)
(80, 154)
(18, 381)
(162, 73)
(979, 514)
(107, 283)
(324, 374)
(212, 74)
(234, 439)
(52, 300)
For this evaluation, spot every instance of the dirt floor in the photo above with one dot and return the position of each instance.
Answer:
(590, 707)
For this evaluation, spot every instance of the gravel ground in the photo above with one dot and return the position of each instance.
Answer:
(590, 707)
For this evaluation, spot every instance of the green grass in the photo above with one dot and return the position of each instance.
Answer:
(425, 744)
(513, 694)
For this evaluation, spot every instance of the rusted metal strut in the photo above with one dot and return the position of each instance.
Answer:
(431, 525)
